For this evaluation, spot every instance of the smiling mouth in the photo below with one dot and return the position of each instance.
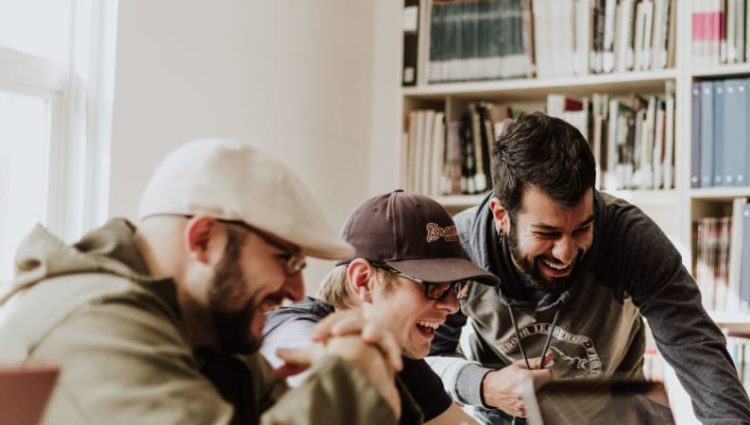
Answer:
(557, 269)
(428, 328)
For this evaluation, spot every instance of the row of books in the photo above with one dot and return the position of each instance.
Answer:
(719, 133)
(632, 140)
(722, 263)
(719, 32)
(459, 40)
(449, 157)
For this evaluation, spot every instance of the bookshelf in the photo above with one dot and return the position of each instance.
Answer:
(676, 209)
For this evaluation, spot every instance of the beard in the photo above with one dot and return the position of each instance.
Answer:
(232, 326)
(529, 270)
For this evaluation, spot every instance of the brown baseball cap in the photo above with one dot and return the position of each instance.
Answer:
(414, 235)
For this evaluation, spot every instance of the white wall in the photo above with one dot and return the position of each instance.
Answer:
(386, 102)
(294, 76)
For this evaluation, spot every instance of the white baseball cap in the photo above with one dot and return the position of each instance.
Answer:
(232, 180)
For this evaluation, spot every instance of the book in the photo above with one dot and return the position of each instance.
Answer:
(718, 140)
(735, 134)
(437, 162)
(669, 159)
(658, 49)
(745, 260)
(625, 18)
(410, 26)
(706, 134)
(608, 37)
(695, 135)
(423, 43)
(735, 253)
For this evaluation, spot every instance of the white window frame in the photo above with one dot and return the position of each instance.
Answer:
(80, 93)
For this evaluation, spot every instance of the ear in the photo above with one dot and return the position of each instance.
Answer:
(361, 279)
(501, 216)
(202, 238)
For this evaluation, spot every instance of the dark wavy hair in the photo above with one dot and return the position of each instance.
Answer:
(545, 152)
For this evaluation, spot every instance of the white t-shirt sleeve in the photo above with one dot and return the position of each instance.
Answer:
(292, 334)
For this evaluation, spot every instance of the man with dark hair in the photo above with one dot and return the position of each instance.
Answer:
(407, 273)
(579, 269)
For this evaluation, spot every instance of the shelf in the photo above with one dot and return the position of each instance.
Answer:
(531, 88)
(453, 202)
(732, 321)
(648, 198)
(720, 193)
(722, 71)
(642, 198)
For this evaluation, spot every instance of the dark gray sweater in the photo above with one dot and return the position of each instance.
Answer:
(631, 270)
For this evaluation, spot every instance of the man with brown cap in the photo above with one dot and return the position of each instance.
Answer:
(407, 274)
(161, 323)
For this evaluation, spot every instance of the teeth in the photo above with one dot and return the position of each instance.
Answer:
(556, 266)
(433, 325)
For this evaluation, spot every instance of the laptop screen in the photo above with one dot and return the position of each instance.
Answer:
(24, 392)
(598, 402)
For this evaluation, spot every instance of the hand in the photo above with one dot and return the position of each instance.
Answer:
(352, 348)
(353, 322)
(502, 388)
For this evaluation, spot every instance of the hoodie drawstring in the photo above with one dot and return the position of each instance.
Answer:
(523, 350)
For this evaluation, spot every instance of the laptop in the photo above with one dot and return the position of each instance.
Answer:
(597, 402)
(24, 393)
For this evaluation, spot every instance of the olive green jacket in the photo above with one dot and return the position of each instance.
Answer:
(92, 309)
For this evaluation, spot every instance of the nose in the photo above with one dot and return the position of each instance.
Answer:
(294, 287)
(449, 303)
(565, 249)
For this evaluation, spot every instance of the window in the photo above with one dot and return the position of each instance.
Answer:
(56, 77)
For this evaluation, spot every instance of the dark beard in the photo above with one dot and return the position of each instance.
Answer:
(232, 327)
(530, 272)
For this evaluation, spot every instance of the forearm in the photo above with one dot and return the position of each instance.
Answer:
(461, 378)
(712, 383)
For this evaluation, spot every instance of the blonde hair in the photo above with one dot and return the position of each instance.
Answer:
(334, 288)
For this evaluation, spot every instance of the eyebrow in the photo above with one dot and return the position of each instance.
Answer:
(548, 228)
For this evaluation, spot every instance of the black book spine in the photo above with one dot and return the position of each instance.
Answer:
(411, 42)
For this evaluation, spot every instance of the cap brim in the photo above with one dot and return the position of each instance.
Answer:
(444, 270)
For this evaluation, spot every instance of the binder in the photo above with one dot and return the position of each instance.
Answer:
(695, 136)
(735, 134)
(718, 134)
(707, 125)
(745, 268)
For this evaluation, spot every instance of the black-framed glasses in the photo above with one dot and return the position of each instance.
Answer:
(436, 291)
(291, 257)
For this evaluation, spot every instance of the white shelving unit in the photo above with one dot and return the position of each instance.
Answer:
(674, 210)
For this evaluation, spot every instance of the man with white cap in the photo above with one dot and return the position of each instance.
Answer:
(407, 274)
(161, 323)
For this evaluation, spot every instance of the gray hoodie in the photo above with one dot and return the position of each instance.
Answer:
(631, 271)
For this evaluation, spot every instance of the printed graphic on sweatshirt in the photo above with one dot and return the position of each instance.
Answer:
(575, 355)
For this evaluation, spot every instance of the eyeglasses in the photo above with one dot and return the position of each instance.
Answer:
(437, 291)
(440, 291)
(292, 258)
